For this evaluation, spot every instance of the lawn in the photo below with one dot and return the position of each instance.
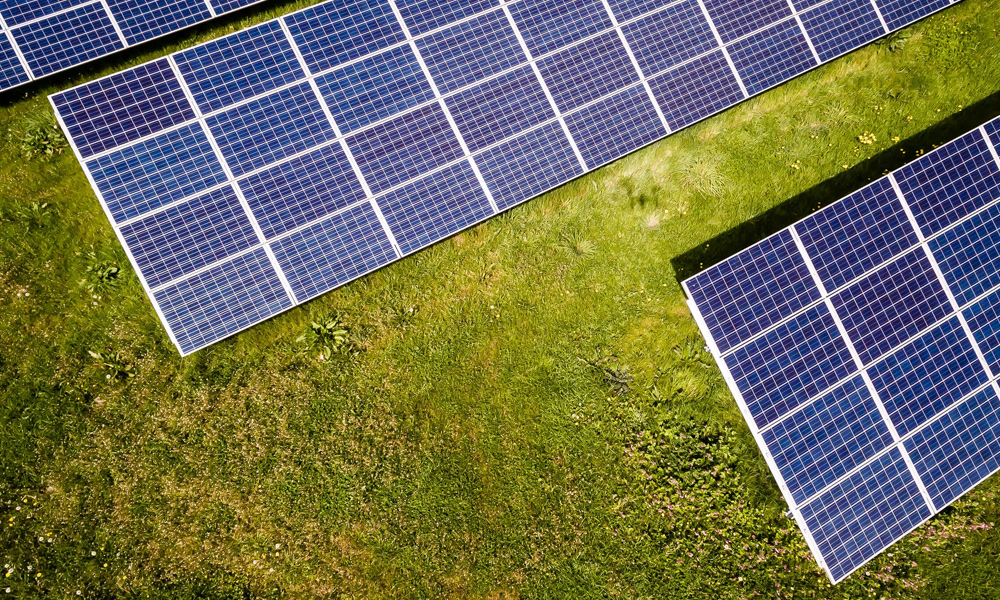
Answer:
(525, 410)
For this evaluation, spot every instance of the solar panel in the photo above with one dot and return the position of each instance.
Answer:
(423, 117)
(862, 345)
(41, 37)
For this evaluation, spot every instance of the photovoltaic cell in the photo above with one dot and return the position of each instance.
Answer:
(268, 104)
(959, 450)
(902, 417)
(737, 19)
(927, 375)
(66, 39)
(831, 436)
(842, 25)
(769, 57)
(12, 73)
(899, 13)
(16, 12)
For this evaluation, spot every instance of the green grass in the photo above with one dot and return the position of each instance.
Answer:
(524, 410)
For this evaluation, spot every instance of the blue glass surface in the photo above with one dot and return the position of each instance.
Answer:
(772, 56)
(856, 234)
(375, 88)
(841, 26)
(141, 20)
(332, 33)
(144, 176)
(422, 16)
(11, 70)
(790, 364)
(969, 255)
(830, 436)
(181, 239)
(751, 291)
(960, 449)
(927, 376)
(737, 19)
(16, 12)
(899, 13)
(949, 183)
(670, 37)
(224, 6)
(588, 71)
(696, 90)
(123, 107)
(500, 108)
(983, 318)
(222, 300)
(615, 126)
(239, 66)
(891, 305)
(264, 131)
(526, 166)
(301, 190)
(864, 514)
(333, 251)
(547, 25)
(67, 39)
(471, 51)
(433, 208)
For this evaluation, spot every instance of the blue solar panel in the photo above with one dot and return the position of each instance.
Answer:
(528, 165)
(333, 251)
(786, 366)
(840, 418)
(832, 435)
(927, 375)
(865, 513)
(750, 292)
(266, 130)
(615, 126)
(769, 57)
(669, 37)
(856, 234)
(173, 242)
(471, 51)
(841, 26)
(737, 19)
(899, 13)
(224, 6)
(588, 71)
(400, 150)
(432, 208)
(54, 35)
(163, 169)
(67, 39)
(891, 305)
(500, 108)
(213, 304)
(236, 67)
(696, 89)
(547, 25)
(259, 111)
(959, 450)
(969, 255)
(375, 88)
(947, 184)
(301, 190)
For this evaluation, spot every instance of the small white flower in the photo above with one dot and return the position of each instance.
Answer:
(93, 553)
(254, 562)
(41, 539)
(50, 540)
(79, 593)
(277, 546)
(6, 590)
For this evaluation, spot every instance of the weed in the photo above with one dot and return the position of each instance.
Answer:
(897, 41)
(118, 369)
(100, 274)
(574, 242)
(327, 337)
(34, 215)
(41, 138)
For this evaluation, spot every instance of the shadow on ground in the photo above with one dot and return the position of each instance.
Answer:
(724, 245)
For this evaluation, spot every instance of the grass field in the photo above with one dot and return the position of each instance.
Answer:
(523, 411)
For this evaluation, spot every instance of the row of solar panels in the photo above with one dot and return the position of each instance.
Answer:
(254, 172)
(41, 37)
(863, 345)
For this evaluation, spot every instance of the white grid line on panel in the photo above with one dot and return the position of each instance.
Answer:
(118, 233)
(444, 107)
(881, 19)
(59, 12)
(232, 182)
(635, 64)
(211, 9)
(114, 23)
(17, 50)
(805, 34)
(722, 46)
(989, 144)
(340, 139)
(768, 458)
(861, 369)
(541, 82)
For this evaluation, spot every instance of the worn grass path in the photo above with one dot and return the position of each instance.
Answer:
(525, 410)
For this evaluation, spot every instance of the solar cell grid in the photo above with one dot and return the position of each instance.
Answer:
(841, 25)
(771, 56)
(548, 25)
(615, 126)
(669, 37)
(969, 255)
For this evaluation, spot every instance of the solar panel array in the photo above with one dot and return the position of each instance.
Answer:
(254, 172)
(41, 37)
(863, 347)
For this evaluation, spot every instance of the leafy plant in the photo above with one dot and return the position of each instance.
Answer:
(34, 214)
(897, 41)
(100, 274)
(575, 243)
(114, 363)
(42, 138)
(327, 337)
